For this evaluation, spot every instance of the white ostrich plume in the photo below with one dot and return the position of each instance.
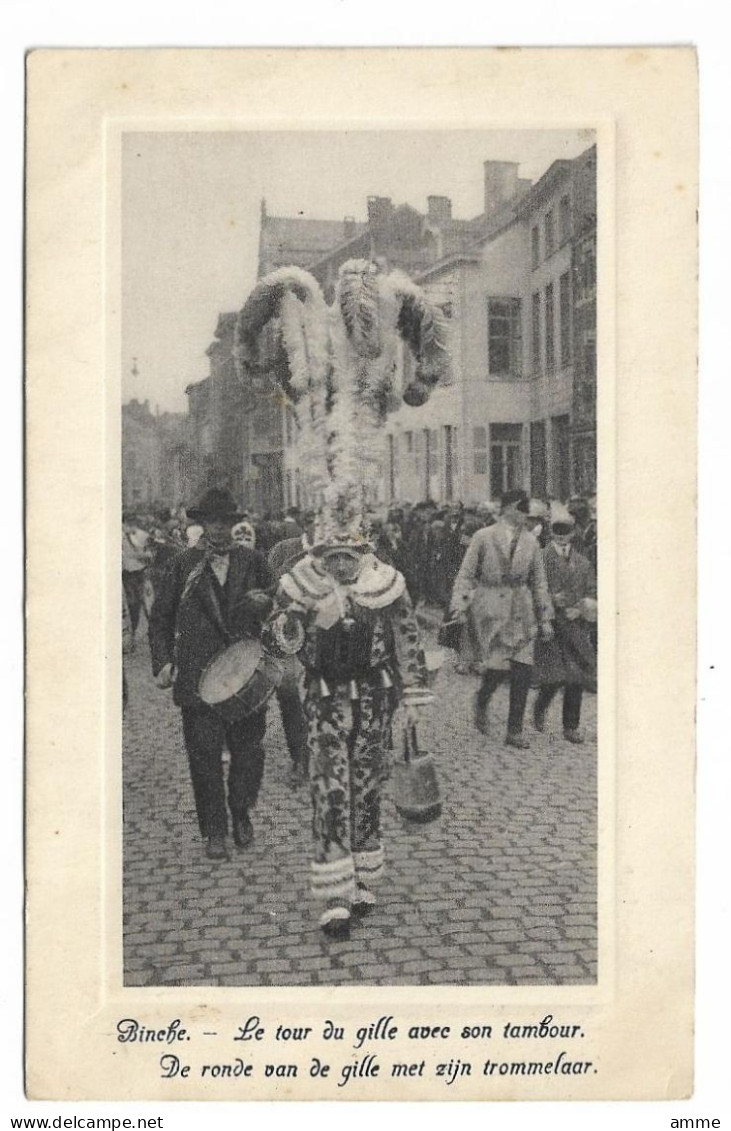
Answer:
(337, 366)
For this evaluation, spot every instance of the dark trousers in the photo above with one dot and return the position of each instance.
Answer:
(520, 677)
(572, 696)
(293, 715)
(133, 581)
(205, 735)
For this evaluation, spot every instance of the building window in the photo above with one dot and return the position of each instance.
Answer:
(565, 317)
(564, 219)
(585, 465)
(432, 451)
(549, 234)
(550, 338)
(561, 456)
(449, 461)
(538, 461)
(409, 442)
(536, 332)
(506, 458)
(535, 246)
(479, 444)
(392, 467)
(504, 339)
(585, 272)
(418, 451)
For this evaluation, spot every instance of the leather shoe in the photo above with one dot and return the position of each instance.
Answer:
(518, 741)
(574, 736)
(243, 831)
(335, 922)
(216, 848)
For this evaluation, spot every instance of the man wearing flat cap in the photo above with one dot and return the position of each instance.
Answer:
(211, 595)
(502, 581)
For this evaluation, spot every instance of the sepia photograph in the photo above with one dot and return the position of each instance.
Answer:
(367, 373)
(359, 554)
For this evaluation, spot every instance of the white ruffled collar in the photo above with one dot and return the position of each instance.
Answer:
(377, 585)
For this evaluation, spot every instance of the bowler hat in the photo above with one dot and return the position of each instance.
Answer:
(217, 503)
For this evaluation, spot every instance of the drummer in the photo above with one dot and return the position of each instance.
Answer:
(213, 594)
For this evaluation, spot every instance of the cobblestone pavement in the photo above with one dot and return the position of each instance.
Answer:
(500, 891)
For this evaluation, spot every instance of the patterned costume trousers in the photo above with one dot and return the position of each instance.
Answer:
(347, 743)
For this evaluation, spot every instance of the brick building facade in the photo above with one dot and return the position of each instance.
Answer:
(518, 285)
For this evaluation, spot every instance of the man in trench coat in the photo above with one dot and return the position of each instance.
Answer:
(503, 583)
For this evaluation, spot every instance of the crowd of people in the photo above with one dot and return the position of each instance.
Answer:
(426, 541)
(513, 585)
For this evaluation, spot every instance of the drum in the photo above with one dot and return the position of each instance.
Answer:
(239, 681)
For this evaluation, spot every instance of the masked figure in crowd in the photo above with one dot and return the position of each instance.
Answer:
(344, 613)
(244, 534)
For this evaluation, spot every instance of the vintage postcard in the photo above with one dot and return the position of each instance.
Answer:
(356, 767)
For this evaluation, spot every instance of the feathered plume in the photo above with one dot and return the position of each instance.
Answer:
(423, 327)
(340, 367)
(293, 296)
(358, 298)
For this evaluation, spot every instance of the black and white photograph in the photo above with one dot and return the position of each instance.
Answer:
(373, 372)
(359, 554)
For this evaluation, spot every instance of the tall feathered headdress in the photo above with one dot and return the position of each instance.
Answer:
(338, 367)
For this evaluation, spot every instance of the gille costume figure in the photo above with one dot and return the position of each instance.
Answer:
(344, 613)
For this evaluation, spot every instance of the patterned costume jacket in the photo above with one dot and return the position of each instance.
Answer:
(359, 644)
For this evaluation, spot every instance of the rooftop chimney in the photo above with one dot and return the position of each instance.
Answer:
(379, 210)
(439, 210)
(501, 183)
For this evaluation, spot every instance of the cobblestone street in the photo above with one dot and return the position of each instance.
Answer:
(500, 891)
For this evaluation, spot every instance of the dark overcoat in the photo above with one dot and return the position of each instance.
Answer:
(570, 657)
(185, 627)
